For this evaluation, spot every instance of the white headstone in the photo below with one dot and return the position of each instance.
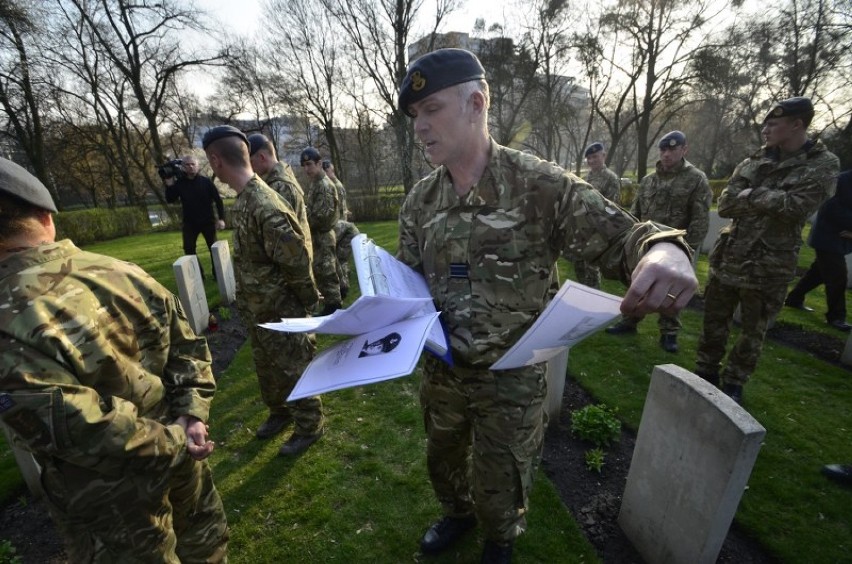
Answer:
(557, 367)
(716, 225)
(693, 456)
(223, 266)
(191, 292)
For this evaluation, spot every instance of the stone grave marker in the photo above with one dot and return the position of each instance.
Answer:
(693, 456)
(223, 266)
(191, 292)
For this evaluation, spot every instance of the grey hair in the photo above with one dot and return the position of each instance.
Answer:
(466, 89)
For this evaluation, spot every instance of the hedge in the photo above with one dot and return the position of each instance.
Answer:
(101, 224)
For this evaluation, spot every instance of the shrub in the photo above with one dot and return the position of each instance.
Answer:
(100, 224)
(8, 553)
(596, 424)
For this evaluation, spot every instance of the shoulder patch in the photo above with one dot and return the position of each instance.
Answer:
(6, 403)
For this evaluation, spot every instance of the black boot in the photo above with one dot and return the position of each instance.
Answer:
(445, 532)
(669, 343)
(621, 328)
(712, 378)
(734, 391)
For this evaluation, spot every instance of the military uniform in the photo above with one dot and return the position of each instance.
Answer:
(488, 258)
(679, 198)
(282, 180)
(344, 232)
(323, 213)
(272, 266)
(607, 183)
(755, 257)
(97, 362)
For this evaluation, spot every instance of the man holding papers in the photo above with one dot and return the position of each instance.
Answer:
(272, 264)
(485, 229)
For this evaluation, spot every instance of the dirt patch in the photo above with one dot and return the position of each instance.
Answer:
(593, 499)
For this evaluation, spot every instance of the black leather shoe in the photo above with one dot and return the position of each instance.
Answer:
(841, 325)
(621, 328)
(496, 553)
(669, 343)
(273, 425)
(841, 473)
(798, 305)
(445, 532)
(297, 444)
(734, 391)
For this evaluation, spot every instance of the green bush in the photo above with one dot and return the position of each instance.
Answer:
(8, 553)
(595, 459)
(382, 207)
(101, 224)
(596, 424)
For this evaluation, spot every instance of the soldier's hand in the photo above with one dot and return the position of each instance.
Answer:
(197, 444)
(663, 281)
(220, 225)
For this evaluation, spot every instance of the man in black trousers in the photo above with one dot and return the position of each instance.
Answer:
(197, 195)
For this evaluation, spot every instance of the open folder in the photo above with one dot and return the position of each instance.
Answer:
(395, 318)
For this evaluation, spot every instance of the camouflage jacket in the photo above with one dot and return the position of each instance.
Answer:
(606, 182)
(282, 180)
(322, 204)
(761, 245)
(489, 257)
(272, 256)
(96, 362)
(341, 199)
(679, 198)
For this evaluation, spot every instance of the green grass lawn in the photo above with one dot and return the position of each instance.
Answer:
(362, 492)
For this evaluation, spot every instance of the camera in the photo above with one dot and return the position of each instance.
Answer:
(171, 169)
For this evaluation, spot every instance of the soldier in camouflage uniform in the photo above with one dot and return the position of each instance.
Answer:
(485, 229)
(323, 213)
(677, 195)
(769, 197)
(272, 265)
(104, 382)
(344, 231)
(278, 175)
(607, 183)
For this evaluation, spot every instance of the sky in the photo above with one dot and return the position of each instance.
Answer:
(242, 16)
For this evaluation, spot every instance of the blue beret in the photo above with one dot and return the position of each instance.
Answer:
(435, 71)
(257, 141)
(221, 131)
(672, 139)
(791, 107)
(309, 154)
(17, 181)
(595, 147)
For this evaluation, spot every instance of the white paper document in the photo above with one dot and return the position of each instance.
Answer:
(367, 313)
(382, 354)
(575, 313)
(381, 274)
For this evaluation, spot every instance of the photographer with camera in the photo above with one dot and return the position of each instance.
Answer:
(197, 195)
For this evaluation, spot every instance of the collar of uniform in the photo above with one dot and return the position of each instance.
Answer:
(34, 256)
(485, 193)
(811, 147)
(675, 169)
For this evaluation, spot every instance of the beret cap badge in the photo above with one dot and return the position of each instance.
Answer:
(418, 81)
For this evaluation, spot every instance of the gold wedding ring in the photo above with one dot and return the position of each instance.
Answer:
(672, 296)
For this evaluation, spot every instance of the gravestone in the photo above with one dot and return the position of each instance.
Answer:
(846, 357)
(557, 368)
(191, 292)
(693, 456)
(716, 225)
(223, 266)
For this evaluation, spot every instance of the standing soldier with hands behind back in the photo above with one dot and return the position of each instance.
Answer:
(103, 380)
(344, 231)
(272, 265)
(678, 195)
(607, 183)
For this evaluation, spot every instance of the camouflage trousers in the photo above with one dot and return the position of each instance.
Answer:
(668, 324)
(345, 232)
(587, 274)
(758, 307)
(484, 435)
(169, 517)
(325, 266)
(279, 360)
